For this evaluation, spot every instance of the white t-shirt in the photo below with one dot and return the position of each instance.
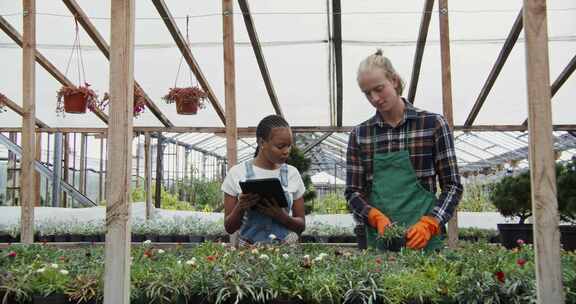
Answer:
(237, 174)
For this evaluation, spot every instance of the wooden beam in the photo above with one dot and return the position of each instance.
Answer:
(337, 32)
(250, 28)
(159, 171)
(105, 49)
(44, 62)
(148, 175)
(564, 75)
(27, 180)
(420, 44)
(120, 137)
(187, 53)
(18, 109)
(447, 97)
(541, 153)
(502, 57)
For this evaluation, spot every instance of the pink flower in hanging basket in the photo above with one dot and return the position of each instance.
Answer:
(2, 103)
(188, 99)
(77, 99)
(139, 102)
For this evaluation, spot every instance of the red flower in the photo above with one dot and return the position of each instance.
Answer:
(211, 258)
(378, 260)
(12, 254)
(500, 276)
(62, 258)
(148, 254)
(521, 262)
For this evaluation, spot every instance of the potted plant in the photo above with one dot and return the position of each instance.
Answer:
(187, 99)
(76, 99)
(2, 103)
(393, 238)
(139, 102)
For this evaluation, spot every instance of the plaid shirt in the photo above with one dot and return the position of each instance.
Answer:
(430, 143)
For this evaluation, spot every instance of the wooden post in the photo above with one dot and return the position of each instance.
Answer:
(542, 169)
(119, 167)
(12, 191)
(148, 175)
(229, 91)
(138, 155)
(83, 139)
(27, 180)
(447, 98)
(47, 180)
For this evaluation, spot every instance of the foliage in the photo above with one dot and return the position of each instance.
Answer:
(331, 203)
(204, 195)
(512, 194)
(298, 159)
(218, 273)
(188, 94)
(168, 200)
(2, 104)
(139, 101)
(477, 234)
(476, 198)
(89, 94)
(567, 192)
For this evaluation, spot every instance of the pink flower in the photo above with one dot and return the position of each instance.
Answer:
(500, 276)
(520, 242)
(12, 254)
(521, 262)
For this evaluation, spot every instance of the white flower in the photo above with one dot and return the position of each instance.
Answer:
(286, 256)
(264, 257)
(254, 251)
(147, 242)
(160, 251)
(54, 266)
(191, 262)
(179, 262)
(64, 271)
(40, 270)
(272, 236)
(306, 257)
(322, 255)
(318, 259)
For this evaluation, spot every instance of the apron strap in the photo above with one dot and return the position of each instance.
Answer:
(284, 175)
(249, 169)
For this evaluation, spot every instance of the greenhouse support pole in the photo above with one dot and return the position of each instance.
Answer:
(148, 175)
(447, 98)
(57, 170)
(83, 142)
(27, 180)
(541, 155)
(229, 90)
(159, 170)
(37, 179)
(119, 166)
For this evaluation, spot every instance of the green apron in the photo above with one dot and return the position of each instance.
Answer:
(398, 194)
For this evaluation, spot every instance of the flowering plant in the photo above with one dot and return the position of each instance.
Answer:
(88, 94)
(188, 94)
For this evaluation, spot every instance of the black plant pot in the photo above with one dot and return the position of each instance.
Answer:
(321, 239)
(306, 239)
(91, 238)
(394, 244)
(165, 239)
(342, 239)
(51, 299)
(138, 238)
(511, 233)
(218, 238)
(568, 237)
(286, 301)
(102, 237)
(151, 237)
(5, 238)
(61, 238)
(76, 238)
(195, 239)
(46, 238)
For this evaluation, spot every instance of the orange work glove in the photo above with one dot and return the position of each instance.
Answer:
(420, 233)
(378, 220)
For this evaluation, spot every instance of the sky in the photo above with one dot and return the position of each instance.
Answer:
(294, 35)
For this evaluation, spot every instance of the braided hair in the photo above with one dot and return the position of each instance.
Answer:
(265, 127)
(379, 61)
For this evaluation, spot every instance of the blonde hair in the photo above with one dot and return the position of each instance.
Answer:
(379, 61)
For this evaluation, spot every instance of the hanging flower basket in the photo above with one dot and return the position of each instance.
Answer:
(188, 99)
(76, 100)
(139, 102)
(2, 103)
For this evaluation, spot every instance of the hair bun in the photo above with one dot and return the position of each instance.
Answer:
(378, 52)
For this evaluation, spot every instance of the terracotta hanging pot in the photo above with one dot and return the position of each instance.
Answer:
(76, 103)
(186, 106)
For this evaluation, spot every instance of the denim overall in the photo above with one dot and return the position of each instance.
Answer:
(257, 227)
